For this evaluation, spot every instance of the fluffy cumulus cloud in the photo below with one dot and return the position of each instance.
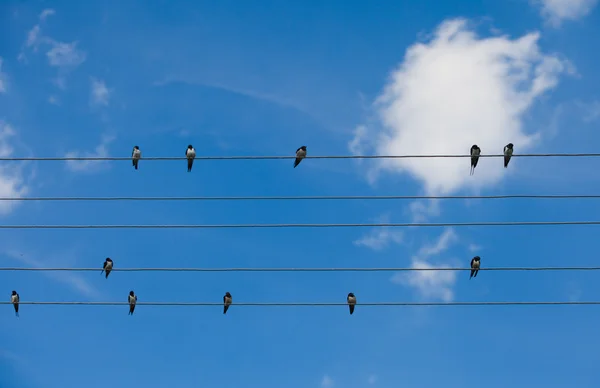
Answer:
(431, 284)
(556, 11)
(12, 182)
(452, 92)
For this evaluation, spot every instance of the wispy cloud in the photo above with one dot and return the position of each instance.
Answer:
(89, 166)
(54, 100)
(45, 13)
(72, 280)
(3, 78)
(12, 183)
(327, 382)
(65, 55)
(557, 11)
(62, 55)
(431, 284)
(99, 94)
(372, 379)
(380, 238)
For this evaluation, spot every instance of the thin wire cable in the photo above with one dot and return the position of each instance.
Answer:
(383, 269)
(280, 304)
(288, 198)
(258, 157)
(244, 226)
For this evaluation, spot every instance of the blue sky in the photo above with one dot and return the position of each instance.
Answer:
(263, 78)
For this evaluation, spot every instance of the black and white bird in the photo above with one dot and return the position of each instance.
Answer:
(475, 152)
(14, 299)
(136, 154)
(300, 154)
(475, 263)
(351, 302)
(508, 151)
(132, 299)
(108, 266)
(226, 302)
(190, 154)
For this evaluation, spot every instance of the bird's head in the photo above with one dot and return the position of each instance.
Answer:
(131, 293)
(303, 148)
(136, 147)
(14, 293)
(510, 146)
(109, 259)
(350, 295)
(474, 147)
(190, 147)
(227, 294)
(477, 258)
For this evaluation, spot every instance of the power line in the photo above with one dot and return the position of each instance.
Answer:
(258, 157)
(383, 269)
(244, 226)
(280, 304)
(301, 198)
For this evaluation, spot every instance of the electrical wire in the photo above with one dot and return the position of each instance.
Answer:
(244, 226)
(258, 157)
(301, 198)
(390, 269)
(280, 304)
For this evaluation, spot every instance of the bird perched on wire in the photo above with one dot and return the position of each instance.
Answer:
(226, 302)
(475, 264)
(300, 154)
(132, 299)
(14, 299)
(136, 154)
(351, 302)
(107, 267)
(508, 151)
(190, 154)
(475, 152)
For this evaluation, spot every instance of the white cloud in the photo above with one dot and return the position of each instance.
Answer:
(33, 37)
(101, 151)
(45, 13)
(327, 382)
(2, 78)
(11, 178)
(452, 92)
(381, 237)
(99, 92)
(431, 284)
(556, 11)
(65, 55)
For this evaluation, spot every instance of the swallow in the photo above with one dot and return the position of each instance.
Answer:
(136, 154)
(508, 151)
(351, 302)
(475, 263)
(300, 154)
(132, 301)
(14, 299)
(226, 302)
(108, 266)
(475, 152)
(190, 154)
